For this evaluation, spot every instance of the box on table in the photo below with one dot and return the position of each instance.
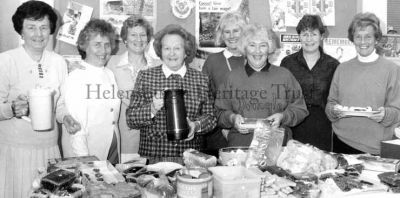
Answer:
(390, 149)
(235, 182)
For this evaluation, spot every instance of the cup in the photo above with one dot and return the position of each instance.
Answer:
(177, 126)
(41, 109)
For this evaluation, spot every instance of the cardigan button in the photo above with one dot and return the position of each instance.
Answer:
(111, 109)
(113, 122)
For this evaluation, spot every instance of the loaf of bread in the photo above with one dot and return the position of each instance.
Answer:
(193, 158)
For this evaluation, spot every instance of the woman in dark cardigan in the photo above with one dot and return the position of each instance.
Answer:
(314, 70)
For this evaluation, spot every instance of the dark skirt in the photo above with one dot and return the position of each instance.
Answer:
(214, 140)
(340, 147)
(316, 129)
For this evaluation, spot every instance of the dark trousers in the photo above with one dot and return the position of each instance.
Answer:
(316, 129)
(340, 147)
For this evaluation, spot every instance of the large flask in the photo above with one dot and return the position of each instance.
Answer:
(177, 126)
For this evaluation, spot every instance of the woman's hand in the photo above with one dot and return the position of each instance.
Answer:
(237, 121)
(193, 128)
(20, 106)
(337, 112)
(71, 124)
(158, 102)
(275, 119)
(378, 116)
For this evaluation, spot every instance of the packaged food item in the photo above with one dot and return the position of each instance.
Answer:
(160, 187)
(265, 147)
(390, 178)
(299, 158)
(235, 182)
(377, 163)
(58, 179)
(193, 158)
(254, 123)
(194, 182)
(233, 156)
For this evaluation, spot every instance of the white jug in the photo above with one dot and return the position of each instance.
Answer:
(41, 109)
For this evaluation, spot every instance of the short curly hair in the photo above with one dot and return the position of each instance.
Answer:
(257, 31)
(228, 18)
(362, 20)
(93, 28)
(34, 10)
(189, 45)
(134, 21)
(311, 22)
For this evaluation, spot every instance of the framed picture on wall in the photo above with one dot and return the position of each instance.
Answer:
(208, 13)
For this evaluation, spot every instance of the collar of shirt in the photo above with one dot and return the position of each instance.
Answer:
(302, 60)
(123, 62)
(28, 57)
(168, 72)
(250, 71)
(91, 67)
(228, 54)
(367, 59)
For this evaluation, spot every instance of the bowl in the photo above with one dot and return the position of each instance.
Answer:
(233, 156)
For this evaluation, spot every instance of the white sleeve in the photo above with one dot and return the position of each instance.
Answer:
(77, 106)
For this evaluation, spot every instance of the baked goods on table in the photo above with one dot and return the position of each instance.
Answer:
(299, 158)
(193, 158)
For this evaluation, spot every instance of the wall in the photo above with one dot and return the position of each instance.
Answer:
(259, 12)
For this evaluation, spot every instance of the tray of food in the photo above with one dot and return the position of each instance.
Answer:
(356, 111)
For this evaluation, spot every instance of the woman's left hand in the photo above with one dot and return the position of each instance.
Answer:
(192, 129)
(378, 117)
(276, 119)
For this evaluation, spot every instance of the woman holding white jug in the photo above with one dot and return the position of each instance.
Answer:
(22, 149)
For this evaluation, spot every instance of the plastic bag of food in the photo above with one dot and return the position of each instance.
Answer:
(265, 147)
(299, 158)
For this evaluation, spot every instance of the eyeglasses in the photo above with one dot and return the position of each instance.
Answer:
(307, 34)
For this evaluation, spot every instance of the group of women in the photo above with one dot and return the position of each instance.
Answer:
(112, 102)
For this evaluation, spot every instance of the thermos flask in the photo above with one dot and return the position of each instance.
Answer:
(177, 126)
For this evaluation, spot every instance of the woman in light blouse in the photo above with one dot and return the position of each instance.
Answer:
(136, 33)
(91, 96)
(22, 150)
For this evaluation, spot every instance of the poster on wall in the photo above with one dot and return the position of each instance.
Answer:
(390, 45)
(289, 12)
(182, 8)
(290, 43)
(278, 10)
(208, 13)
(116, 11)
(75, 18)
(340, 48)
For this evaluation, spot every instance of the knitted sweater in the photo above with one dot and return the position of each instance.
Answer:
(260, 94)
(359, 84)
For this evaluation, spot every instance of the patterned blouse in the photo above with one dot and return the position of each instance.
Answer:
(198, 102)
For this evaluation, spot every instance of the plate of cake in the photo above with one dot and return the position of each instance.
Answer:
(356, 111)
